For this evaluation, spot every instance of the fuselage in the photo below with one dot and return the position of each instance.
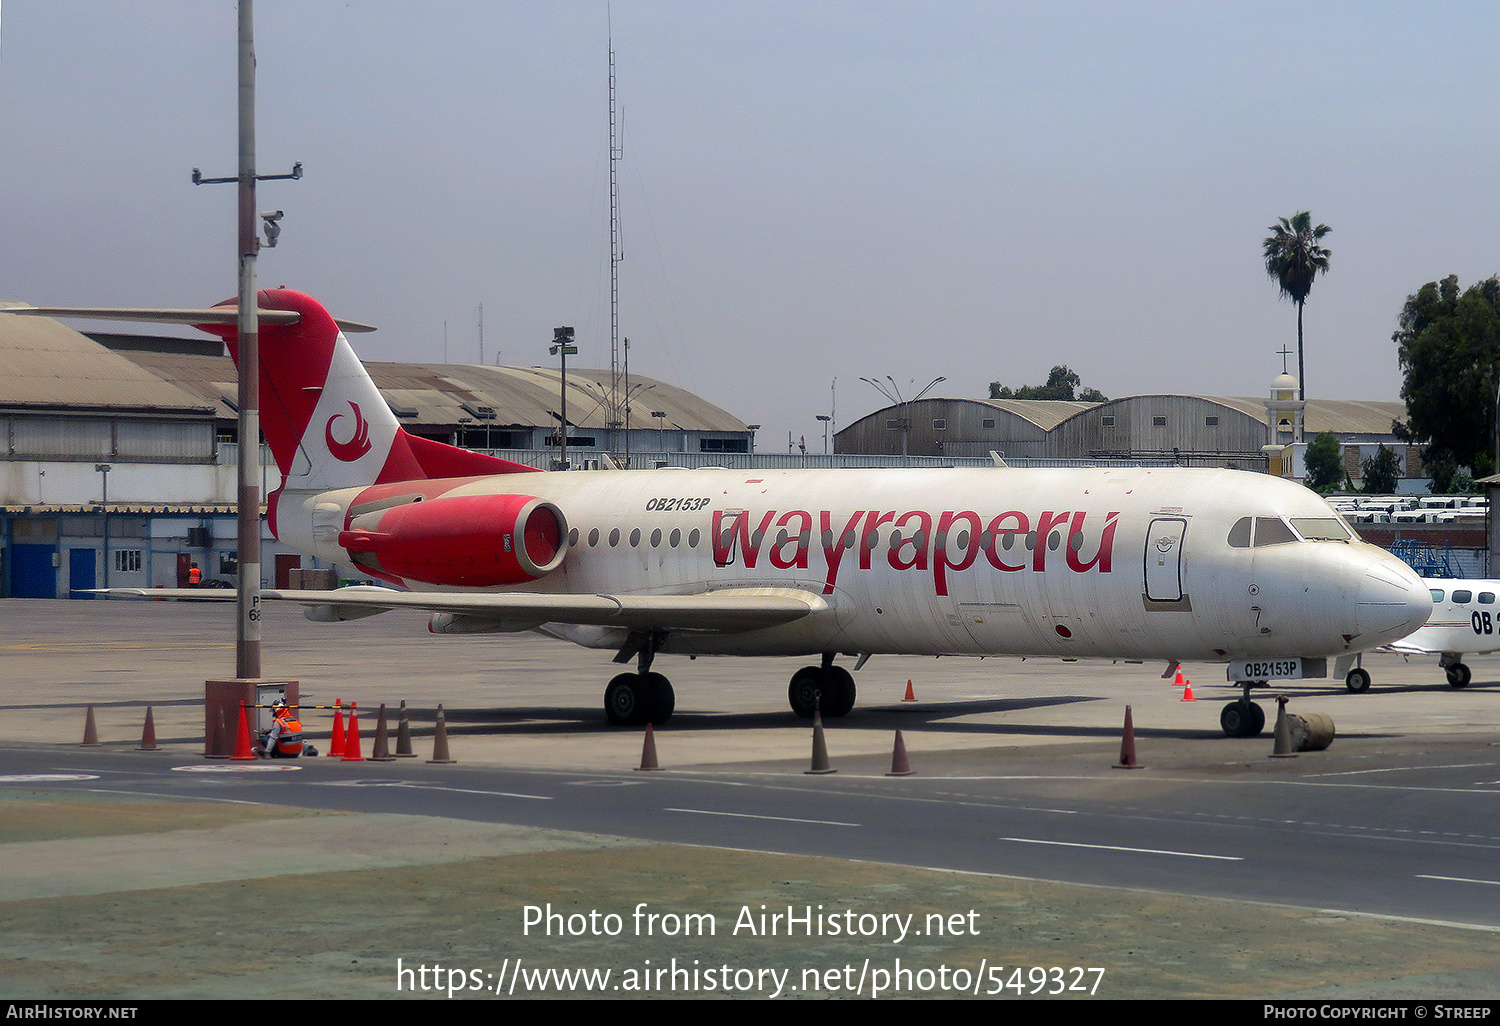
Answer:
(1465, 618)
(1164, 563)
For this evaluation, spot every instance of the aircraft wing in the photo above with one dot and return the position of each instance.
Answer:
(1406, 647)
(719, 611)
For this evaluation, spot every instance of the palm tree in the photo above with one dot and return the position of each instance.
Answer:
(1293, 259)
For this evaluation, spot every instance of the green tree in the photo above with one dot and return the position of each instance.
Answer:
(1324, 461)
(1381, 472)
(1062, 383)
(1448, 345)
(1294, 257)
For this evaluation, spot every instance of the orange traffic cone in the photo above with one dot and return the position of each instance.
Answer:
(648, 751)
(910, 696)
(148, 735)
(351, 739)
(1187, 691)
(1179, 682)
(336, 743)
(90, 732)
(242, 750)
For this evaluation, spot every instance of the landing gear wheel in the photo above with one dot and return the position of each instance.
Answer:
(1242, 719)
(1458, 675)
(1358, 680)
(636, 698)
(663, 698)
(802, 693)
(840, 682)
(625, 700)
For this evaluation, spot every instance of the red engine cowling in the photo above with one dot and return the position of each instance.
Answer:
(471, 541)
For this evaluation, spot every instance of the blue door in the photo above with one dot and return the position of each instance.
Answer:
(32, 574)
(81, 572)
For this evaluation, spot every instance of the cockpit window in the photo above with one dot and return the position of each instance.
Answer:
(1272, 531)
(1239, 534)
(1321, 528)
(1437, 594)
(1463, 596)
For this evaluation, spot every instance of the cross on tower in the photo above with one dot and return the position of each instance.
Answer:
(1285, 352)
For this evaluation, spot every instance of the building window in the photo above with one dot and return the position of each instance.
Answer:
(939, 424)
(1158, 421)
(127, 561)
(893, 425)
(1210, 421)
(988, 423)
(724, 445)
(1107, 421)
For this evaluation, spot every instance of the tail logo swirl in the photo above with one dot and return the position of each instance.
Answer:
(355, 447)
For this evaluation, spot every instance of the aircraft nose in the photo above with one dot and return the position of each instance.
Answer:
(1393, 601)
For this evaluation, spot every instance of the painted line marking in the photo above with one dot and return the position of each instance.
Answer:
(252, 768)
(778, 819)
(1402, 769)
(429, 787)
(1116, 847)
(1457, 879)
(38, 778)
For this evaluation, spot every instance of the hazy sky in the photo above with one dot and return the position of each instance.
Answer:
(810, 191)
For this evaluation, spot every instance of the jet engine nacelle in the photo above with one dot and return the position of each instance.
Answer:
(471, 541)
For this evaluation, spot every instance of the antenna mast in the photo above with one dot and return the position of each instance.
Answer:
(615, 255)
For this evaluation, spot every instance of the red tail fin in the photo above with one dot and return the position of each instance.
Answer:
(326, 423)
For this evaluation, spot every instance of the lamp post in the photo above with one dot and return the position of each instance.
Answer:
(893, 395)
(563, 347)
(104, 469)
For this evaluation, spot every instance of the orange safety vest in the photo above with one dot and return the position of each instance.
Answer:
(290, 741)
(195, 576)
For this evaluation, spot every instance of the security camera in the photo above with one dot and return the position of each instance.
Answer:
(273, 228)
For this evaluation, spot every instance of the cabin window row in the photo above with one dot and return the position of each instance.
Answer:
(1006, 540)
(1463, 596)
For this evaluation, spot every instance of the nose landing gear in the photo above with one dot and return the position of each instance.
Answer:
(828, 686)
(1242, 717)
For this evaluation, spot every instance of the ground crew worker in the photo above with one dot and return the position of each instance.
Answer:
(284, 739)
(195, 576)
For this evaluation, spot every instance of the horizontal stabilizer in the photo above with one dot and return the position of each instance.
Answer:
(212, 315)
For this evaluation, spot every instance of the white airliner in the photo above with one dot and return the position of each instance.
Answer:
(1465, 619)
(1172, 564)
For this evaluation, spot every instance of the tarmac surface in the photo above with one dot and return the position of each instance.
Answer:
(133, 890)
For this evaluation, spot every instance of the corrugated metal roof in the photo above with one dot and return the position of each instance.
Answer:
(1341, 416)
(421, 393)
(1044, 413)
(43, 363)
(529, 396)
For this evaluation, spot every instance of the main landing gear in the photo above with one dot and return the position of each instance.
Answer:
(1458, 675)
(828, 687)
(636, 698)
(1242, 717)
(632, 699)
